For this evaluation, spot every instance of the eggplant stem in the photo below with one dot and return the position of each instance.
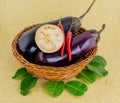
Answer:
(87, 10)
(103, 27)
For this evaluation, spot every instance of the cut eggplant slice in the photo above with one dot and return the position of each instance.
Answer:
(49, 38)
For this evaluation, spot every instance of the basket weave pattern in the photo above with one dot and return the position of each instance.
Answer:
(49, 72)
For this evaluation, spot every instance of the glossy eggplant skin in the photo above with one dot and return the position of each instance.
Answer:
(30, 52)
(28, 36)
(81, 44)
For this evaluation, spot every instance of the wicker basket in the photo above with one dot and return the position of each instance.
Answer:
(49, 72)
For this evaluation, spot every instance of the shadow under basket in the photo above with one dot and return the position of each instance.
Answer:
(50, 72)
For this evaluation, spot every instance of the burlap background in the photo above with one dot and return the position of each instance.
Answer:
(17, 14)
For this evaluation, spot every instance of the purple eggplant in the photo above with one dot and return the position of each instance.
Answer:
(81, 44)
(30, 52)
(28, 36)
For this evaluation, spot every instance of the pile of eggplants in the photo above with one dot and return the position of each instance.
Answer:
(81, 43)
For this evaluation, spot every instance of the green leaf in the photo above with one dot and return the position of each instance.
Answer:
(87, 75)
(27, 84)
(100, 60)
(76, 88)
(54, 88)
(97, 68)
(27, 75)
(20, 73)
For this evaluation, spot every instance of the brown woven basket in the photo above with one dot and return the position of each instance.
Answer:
(49, 72)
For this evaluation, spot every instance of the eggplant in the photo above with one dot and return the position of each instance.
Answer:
(28, 36)
(30, 52)
(81, 44)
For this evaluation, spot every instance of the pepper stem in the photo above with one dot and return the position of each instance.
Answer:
(71, 25)
(60, 20)
(87, 10)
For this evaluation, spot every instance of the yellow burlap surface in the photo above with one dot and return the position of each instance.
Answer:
(17, 14)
